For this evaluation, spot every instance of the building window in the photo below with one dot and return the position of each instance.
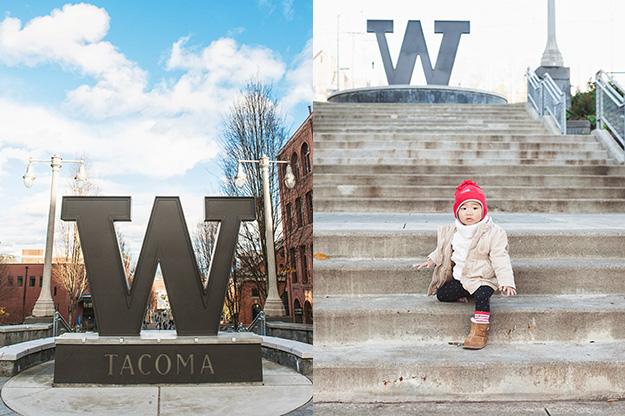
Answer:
(255, 293)
(20, 281)
(31, 281)
(289, 217)
(54, 290)
(293, 261)
(302, 256)
(40, 281)
(308, 313)
(309, 203)
(299, 208)
(306, 158)
(10, 280)
(295, 165)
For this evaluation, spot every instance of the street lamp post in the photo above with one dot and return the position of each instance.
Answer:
(273, 304)
(44, 307)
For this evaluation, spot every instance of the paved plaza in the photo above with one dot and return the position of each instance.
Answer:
(283, 391)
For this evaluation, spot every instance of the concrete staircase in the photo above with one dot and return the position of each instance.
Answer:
(385, 175)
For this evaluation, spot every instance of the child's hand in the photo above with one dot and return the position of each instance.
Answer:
(508, 290)
(427, 264)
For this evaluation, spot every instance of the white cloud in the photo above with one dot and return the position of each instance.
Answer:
(286, 7)
(224, 61)
(299, 80)
(235, 31)
(72, 38)
(160, 147)
(123, 126)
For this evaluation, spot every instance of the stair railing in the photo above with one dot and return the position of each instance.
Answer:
(610, 102)
(60, 325)
(259, 318)
(547, 98)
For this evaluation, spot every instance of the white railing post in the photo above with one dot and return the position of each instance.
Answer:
(563, 104)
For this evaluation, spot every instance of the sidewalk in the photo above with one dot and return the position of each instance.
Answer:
(30, 393)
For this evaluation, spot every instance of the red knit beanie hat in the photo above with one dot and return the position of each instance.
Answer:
(469, 191)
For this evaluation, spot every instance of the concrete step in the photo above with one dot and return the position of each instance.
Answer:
(434, 129)
(530, 244)
(405, 145)
(393, 372)
(419, 318)
(431, 205)
(434, 122)
(470, 170)
(454, 154)
(519, 193)
(372, 108)
(321, 137)
(321, 107)
(423, 117)
(463, 159)
(368, 277)
(384, 179)
(603, 407)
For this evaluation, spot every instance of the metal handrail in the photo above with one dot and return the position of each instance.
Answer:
(610, 112)
(60, 321)
(259, 317)
(547, 98)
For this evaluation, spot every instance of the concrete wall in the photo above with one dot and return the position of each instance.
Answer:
(296, 332)
(431, 94)
(14, 334)
(285, 330)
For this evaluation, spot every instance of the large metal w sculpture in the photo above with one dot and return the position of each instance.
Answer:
(121, 354)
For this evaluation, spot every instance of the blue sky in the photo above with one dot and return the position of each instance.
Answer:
(139, 88)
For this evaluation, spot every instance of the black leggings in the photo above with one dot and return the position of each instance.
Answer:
(453, 290)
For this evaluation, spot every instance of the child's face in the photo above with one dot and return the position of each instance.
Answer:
(470, 213)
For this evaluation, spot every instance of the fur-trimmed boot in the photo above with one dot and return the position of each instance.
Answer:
(478, 337)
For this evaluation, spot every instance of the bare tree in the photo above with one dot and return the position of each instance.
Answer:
(69, 272)
(204, 239)
(129, 266)
(252, 128)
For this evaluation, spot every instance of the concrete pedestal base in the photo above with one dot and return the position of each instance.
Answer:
(157, 357)
(417, 94)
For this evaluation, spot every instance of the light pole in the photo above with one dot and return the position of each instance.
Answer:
(273, 304)
(551, 55)
(44, 307)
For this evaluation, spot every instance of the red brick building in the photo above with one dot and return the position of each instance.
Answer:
(251, 296)
(20, 285)
(297, 221)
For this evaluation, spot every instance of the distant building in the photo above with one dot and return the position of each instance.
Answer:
(297, 221)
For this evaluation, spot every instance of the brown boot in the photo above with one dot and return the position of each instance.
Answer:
(478, 336)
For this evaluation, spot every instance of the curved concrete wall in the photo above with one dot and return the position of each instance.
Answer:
(428, 94)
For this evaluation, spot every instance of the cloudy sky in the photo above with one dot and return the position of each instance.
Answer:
(506, 37)
(139, 88)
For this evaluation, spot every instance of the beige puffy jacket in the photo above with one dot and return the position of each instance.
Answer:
(487, 263)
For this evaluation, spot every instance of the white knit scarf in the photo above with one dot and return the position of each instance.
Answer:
(460, 244)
